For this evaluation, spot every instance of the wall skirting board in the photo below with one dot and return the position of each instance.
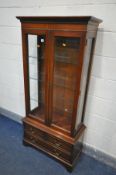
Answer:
(90, 151)
(99, 155)
(11, 115)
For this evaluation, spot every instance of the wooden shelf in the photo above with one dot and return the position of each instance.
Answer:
(38, 113)
(65, 62)
(63, 86)
(61, 120)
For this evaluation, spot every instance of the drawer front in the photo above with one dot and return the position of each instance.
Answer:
(34, 131)
(56, 142)
(38, 142)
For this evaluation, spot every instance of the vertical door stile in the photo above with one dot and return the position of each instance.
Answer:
(46, 80)
(51, 69)
(26, 71)
(77, 92)
(38, 65)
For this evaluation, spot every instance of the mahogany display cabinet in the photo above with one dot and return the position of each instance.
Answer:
(57, 59)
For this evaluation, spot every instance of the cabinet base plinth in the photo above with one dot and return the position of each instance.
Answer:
(62, 150)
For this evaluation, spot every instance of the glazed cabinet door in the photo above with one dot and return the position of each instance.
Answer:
(67, 64)
(35, 67)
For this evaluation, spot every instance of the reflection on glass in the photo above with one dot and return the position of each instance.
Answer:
(64, 84)
(36, 45)
(84, 76)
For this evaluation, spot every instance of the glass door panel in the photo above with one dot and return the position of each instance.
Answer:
(66, 61)
(36, 61)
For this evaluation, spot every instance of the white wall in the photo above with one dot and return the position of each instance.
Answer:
(101, 106)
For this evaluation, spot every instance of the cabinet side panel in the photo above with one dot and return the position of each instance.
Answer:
(84, 82)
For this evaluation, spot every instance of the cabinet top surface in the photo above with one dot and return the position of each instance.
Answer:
(59, 19)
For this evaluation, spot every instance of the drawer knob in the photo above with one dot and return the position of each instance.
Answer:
(32, 132)
(58, 144)
(57, 154)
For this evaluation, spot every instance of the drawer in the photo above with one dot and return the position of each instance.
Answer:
(56, 142)
(34, 131)
(44, 145)
(60, 154)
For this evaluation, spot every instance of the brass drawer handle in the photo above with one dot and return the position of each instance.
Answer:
(58, 144)
(57, 154)
(32, 132)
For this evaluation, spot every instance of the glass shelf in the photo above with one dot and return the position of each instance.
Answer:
(64, 62)
(38, 113)
(65, 87)
(66, 59)
(36, 60)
